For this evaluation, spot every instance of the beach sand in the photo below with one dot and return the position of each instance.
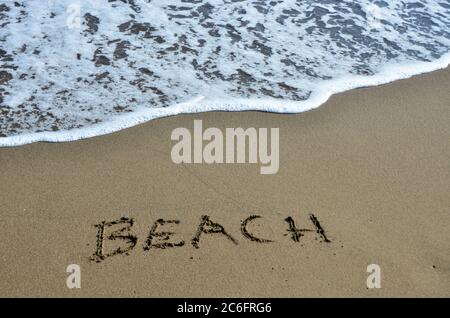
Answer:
(372, 165)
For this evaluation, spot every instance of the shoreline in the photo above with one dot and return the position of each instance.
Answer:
(371, 165)
(389, 74)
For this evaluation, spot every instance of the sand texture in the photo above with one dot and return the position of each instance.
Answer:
(372, 166)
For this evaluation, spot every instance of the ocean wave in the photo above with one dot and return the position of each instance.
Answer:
(76, 69)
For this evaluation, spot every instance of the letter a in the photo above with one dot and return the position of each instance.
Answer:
(74, 279)
(374, 279)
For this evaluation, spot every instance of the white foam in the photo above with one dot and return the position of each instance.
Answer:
(388, 74)
(199, 56)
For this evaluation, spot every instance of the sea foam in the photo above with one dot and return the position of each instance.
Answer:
(126, 62)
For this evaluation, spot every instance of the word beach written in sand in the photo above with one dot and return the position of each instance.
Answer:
(119, 233)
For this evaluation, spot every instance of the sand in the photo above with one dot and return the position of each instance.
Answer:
(372, 165)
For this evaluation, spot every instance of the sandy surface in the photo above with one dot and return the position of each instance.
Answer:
(372, 165)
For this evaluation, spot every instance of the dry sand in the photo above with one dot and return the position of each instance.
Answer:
(373, 165)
